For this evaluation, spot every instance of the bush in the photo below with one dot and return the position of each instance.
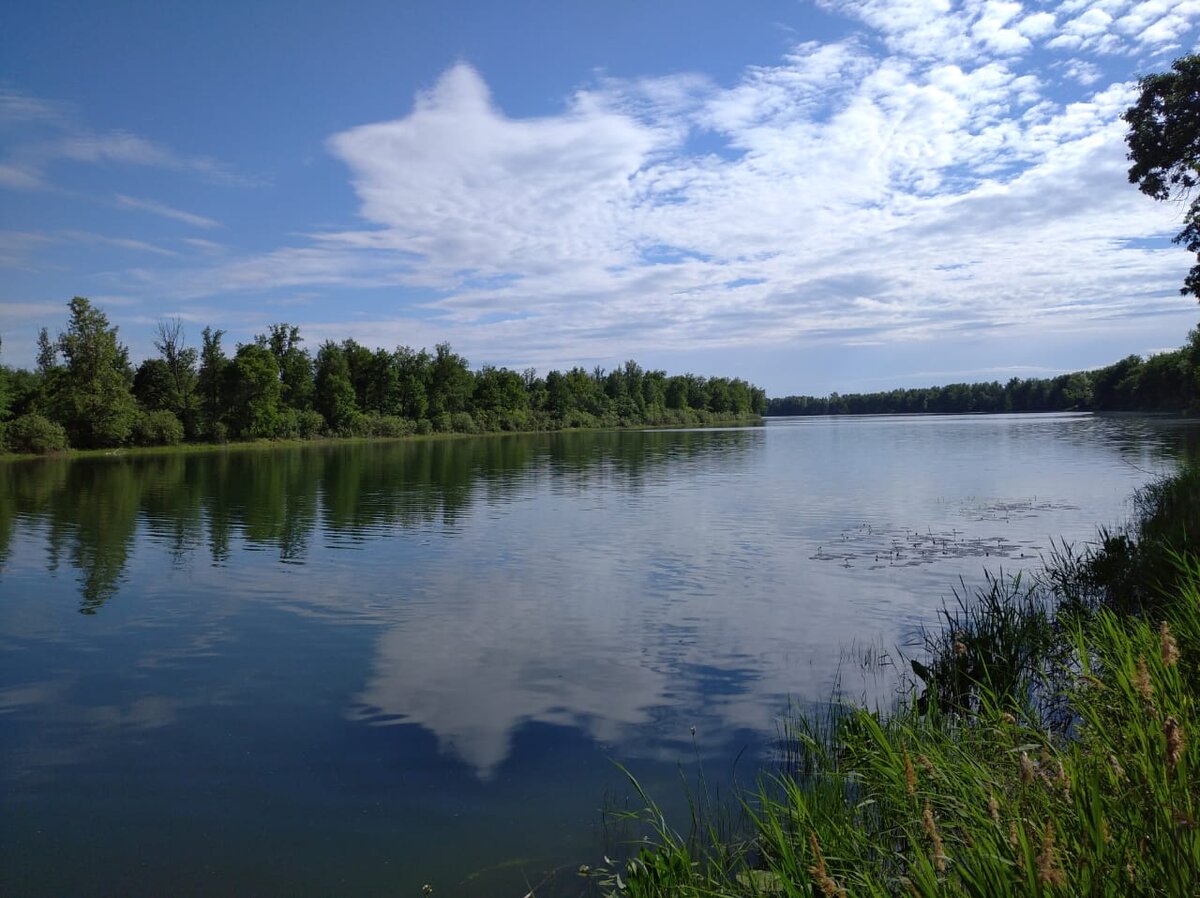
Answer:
(424, 426)
(310, 423)
(392, 426)
(462, 422)
(158, 428)
(287, 425)
(35, 433)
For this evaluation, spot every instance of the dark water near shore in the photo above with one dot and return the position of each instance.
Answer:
(356, 669)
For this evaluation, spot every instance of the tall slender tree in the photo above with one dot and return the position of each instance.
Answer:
(92, 399)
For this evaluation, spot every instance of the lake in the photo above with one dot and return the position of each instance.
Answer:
(362, 668)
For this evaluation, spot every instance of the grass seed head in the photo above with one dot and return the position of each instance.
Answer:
(1168, 646)
(994, 808)
(1141, 681)
(1049, 872)
(1064, 781)
(1027, 771)
(939, 850)
(1117, 769)
(910, 775)
(826, 883)
(1175, 741)
(927, 764)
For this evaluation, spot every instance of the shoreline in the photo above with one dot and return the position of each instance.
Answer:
(264, 444)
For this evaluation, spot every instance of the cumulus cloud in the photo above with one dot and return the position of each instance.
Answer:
(598, 225)
(939, 168)
(470, 190)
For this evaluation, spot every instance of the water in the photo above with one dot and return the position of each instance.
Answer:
(358, 669)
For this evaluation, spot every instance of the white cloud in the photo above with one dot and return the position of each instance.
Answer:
(1037, 25)
(17, 246)
(18, 177)
(141, 246)
(166, 211)
(961, 181)
(47, 132)
(468, 189)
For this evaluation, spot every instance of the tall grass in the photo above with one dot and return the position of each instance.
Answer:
(1045, 749)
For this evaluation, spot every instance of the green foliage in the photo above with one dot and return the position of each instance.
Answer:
(34, 433)
(981, 792)
(254, 390)
(450, 382)
(293, 363)
(1165, 382)
(158, 427)
(211, 386)
(310, 424)
(180, 393)
(391, 426)
(1164, 146)
(334, 396)
(153, 386)
(91, 395)
(272, 388)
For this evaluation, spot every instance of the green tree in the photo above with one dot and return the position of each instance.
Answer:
(451, 383)
(5, 393)
(294, 364)
(1164, 146)
(210, 384)
(180, 361)
(334, 397)
(255, 392)
(412, 381)
(92, 398)
(360, 363)
(153, 386)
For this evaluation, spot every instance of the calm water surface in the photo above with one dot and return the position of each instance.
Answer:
(357, 669)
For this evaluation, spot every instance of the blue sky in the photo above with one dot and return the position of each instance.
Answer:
(815, 196)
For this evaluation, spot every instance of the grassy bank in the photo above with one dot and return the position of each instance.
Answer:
(1048, 744)
(291, 443)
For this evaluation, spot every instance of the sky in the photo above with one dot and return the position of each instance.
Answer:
(813, 195)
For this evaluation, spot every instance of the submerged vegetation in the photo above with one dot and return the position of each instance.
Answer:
(1047, 745)
(86, 394)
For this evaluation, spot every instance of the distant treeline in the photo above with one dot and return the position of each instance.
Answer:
(85, 393)
(1167, 382)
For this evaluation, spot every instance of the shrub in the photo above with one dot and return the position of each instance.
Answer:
(462, 422)
(424, 426)
(158, 428)
(392, 426)
(287, 425)
(35, 433)
(310, 423)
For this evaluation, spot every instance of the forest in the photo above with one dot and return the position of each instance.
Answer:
(84, 392)
(1166, 382)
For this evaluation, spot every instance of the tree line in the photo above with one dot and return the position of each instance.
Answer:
(1166, 382)
(85, 393)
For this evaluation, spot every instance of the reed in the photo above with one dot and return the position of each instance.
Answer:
(1047, 746)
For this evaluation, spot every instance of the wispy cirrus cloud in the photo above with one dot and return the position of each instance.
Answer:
(41, 133)
(165, 211)
(128, 243)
